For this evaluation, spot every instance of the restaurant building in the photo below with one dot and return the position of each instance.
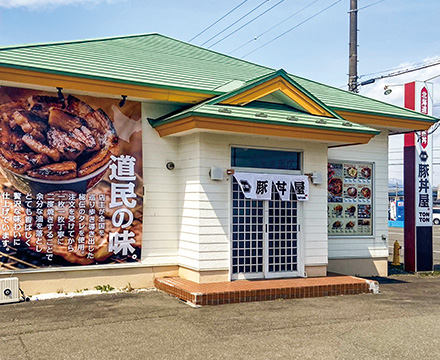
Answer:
(135, 157)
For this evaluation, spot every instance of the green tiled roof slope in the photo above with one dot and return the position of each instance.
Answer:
(159, 61)
(151, 59)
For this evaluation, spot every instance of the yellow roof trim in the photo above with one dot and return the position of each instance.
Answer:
(243, 127)
(385, 121)
(99, 86)
(270, 87)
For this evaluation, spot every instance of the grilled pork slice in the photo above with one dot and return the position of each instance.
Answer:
(14, 161)
(99, 159)
(69, 147)
(10, 139)
(40, 104)
(64, 120)
(108, 138)
(73, 124)
(37, 160)
(41, 148)
(59, 171)
(84, 135)
(8, 109)
(31, 124)
(81, 109)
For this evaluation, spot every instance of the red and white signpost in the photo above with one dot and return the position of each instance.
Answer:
(417, 155)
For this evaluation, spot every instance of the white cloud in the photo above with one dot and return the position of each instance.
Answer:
(42, 3)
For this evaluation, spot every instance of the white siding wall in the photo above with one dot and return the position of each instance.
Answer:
(187, 216)
(375, 151)
(204, 238)
(161, 214)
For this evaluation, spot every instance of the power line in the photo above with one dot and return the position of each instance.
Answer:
(367, 6)
(292, 28)
(273, 27)
(402, 70)
(228, 27)
(210, 26)
(406, 71)
(241, 27)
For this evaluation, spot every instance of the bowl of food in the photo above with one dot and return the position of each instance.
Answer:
(352, 172)
(366, 192)
(335, 187)
(50, 144)
(352, 192)
(337, 225)
(338, 209)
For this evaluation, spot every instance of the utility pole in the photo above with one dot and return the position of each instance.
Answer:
(352, 75)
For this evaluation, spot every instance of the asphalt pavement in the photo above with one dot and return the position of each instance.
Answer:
(402, 322)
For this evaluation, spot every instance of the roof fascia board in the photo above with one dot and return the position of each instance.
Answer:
(388, 122)
(102, 85)
(228, 125)
(194, 113)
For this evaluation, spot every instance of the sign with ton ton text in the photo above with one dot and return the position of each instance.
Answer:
(418, 155)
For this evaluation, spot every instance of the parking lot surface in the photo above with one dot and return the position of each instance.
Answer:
(402, 322)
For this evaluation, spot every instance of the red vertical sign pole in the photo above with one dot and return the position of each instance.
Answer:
(417, 156)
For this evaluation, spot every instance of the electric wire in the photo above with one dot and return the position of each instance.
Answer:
(408, 70)
(228, 27)
(215, 22)
(367, 6)
(432, 78)
(273, 27)
(292, 28)
(403, 70)
(250, 21)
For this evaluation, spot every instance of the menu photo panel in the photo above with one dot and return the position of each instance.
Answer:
(350, 198)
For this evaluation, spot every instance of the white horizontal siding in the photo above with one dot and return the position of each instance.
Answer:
(161, 217)
(214, 203)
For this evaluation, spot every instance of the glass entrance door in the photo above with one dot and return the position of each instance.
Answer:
(265, 236)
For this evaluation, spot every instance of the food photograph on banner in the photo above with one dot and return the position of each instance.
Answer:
(71, 188)
(349, 198)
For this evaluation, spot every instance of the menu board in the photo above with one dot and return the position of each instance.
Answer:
(350, 198)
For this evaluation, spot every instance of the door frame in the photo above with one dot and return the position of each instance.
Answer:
(300, 243)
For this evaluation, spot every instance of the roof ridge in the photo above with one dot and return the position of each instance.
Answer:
(54, 43)
(64, 42)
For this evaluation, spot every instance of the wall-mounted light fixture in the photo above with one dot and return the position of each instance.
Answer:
(122, 102)
(316, 178)
(216, 173)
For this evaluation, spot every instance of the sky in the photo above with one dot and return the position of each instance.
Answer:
(393, 34)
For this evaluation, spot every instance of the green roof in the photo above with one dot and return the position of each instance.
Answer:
(267, 115)
(150, 60)
(158, 61)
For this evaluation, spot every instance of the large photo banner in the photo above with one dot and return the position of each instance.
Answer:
(71, 187)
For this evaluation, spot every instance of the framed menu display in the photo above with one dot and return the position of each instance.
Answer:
(350, 195)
